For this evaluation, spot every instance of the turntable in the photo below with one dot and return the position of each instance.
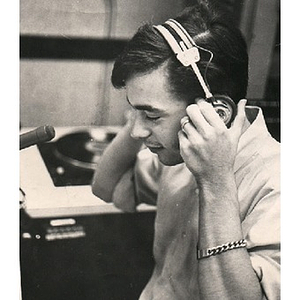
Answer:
(68, 235)
(56, 176)
(71, 159)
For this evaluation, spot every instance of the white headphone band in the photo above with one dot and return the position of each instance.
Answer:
(169, 38)
(180, 30)
(186, 50)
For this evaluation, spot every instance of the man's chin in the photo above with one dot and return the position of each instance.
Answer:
(170, 160)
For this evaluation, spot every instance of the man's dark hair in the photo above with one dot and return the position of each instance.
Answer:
(211, 29)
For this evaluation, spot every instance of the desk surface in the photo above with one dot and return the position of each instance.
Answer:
(43, 199)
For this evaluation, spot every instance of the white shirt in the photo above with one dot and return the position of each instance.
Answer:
(175, 193)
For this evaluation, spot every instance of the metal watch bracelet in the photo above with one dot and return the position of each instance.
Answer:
(203, 253)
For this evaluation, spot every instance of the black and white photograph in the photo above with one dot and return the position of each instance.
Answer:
(149, 150)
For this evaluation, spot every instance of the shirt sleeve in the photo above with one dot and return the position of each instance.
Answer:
(263, 243)
(139, 184)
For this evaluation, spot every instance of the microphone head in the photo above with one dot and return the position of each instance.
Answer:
(39, 135)
(45, 133)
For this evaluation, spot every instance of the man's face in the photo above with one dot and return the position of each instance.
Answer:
(157, 115)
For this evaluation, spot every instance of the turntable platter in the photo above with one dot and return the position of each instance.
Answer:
(72, 158)
(80, 149)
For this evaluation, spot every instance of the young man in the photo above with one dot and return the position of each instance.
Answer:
(216, 187)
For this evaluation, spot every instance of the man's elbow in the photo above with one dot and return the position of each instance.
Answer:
(101, 193)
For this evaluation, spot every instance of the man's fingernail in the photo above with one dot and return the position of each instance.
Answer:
(199, 100)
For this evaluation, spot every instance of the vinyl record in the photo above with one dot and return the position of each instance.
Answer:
(81, 149)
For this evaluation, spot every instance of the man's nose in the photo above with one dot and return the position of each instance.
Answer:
(139, 129)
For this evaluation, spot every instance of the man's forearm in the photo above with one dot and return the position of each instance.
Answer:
(227, 275)
(117, 158)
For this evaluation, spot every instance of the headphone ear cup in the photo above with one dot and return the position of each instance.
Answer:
(225, 108)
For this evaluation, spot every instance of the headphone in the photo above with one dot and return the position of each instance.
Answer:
(187, 52)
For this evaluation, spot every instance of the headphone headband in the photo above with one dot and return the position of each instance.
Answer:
(186, 50)
(181, 32)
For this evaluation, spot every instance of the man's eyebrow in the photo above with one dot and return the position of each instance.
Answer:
(145, 107)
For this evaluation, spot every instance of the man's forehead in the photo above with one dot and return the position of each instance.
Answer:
(153, 79)
(151, 92)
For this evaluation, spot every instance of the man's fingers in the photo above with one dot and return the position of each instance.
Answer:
(209, 113)
(241, 115)
(197, 118)
(189, 129)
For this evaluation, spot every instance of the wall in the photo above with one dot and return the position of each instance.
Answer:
(78, 92)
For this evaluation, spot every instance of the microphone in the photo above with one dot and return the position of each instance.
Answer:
(39, 135)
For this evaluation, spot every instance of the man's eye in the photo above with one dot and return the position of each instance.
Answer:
(153, 118)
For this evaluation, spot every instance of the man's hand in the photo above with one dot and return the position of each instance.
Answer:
(207, 146)
(129, 117)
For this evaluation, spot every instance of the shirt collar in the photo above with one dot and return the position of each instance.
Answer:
(253, 138)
